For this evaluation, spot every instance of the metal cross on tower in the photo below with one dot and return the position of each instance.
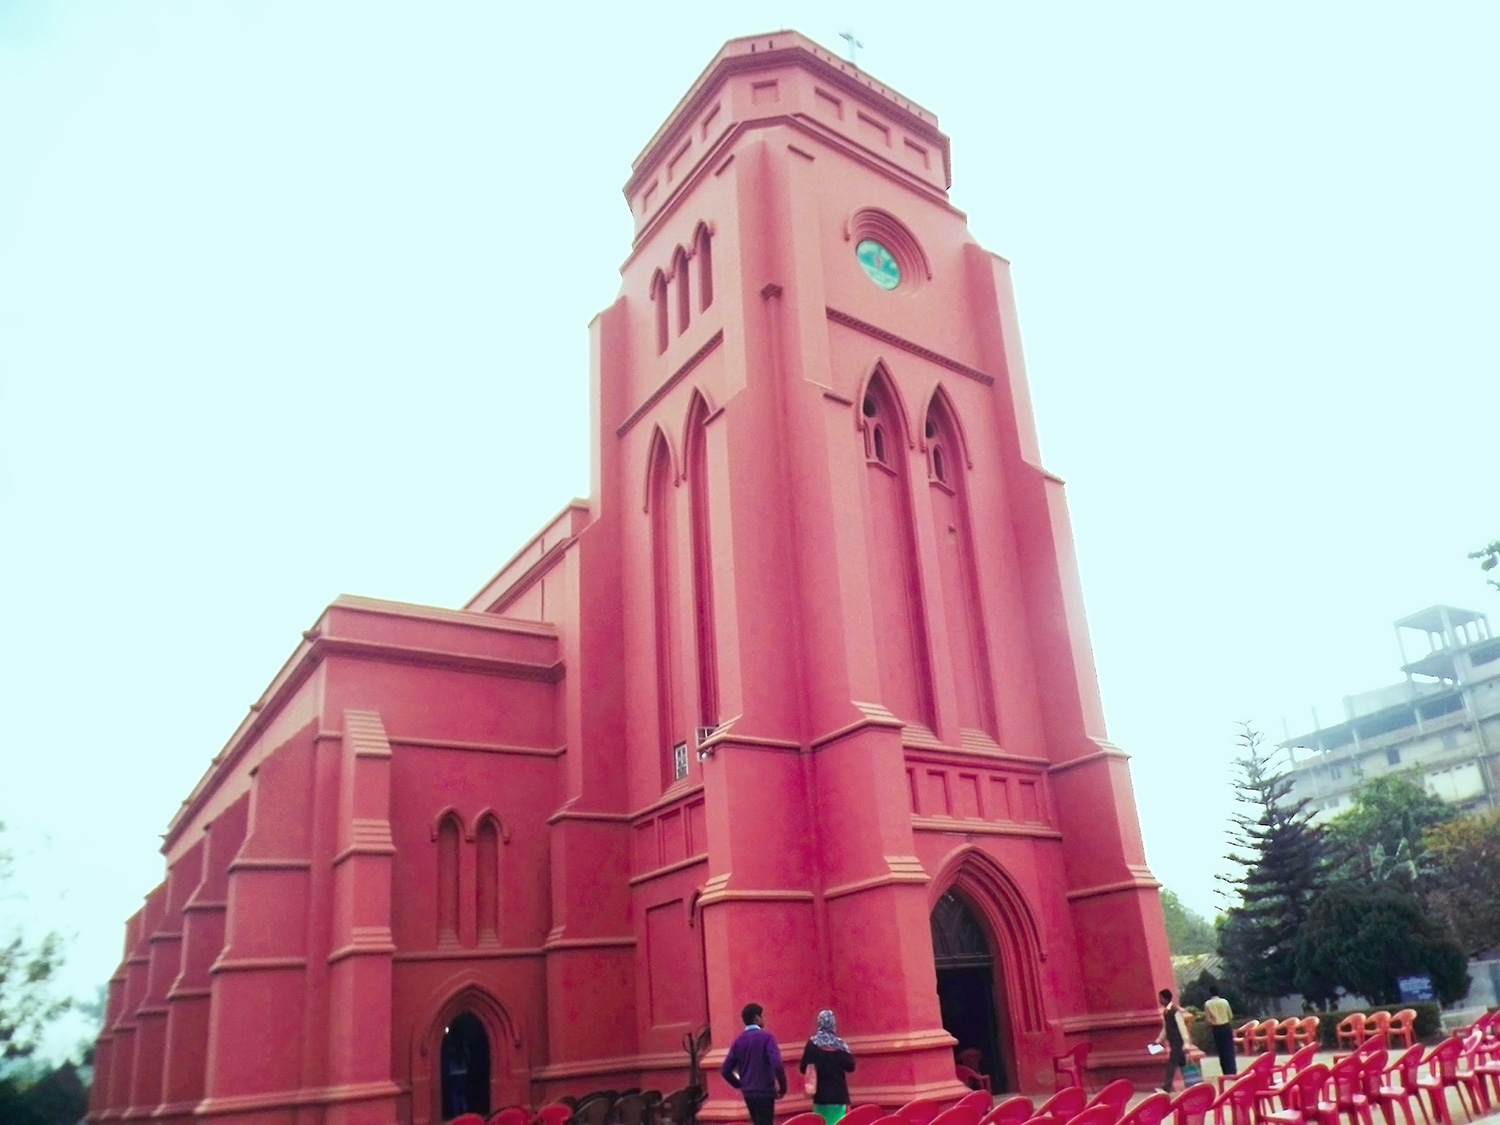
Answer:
(854, 44)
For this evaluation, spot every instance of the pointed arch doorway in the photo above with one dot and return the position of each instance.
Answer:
(465, 1057)
(972, 1007)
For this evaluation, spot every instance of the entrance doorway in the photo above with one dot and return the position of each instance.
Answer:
(466, 1067)
(967, 996)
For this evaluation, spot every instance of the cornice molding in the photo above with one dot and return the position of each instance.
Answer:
(910, 346)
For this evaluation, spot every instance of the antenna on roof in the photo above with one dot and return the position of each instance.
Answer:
(854, 45)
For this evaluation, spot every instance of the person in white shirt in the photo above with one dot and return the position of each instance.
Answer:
(1219, 1015)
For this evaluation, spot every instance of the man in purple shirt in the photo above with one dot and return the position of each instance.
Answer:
(753, 1067)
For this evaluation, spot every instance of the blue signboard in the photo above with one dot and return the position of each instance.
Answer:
(1415, 988)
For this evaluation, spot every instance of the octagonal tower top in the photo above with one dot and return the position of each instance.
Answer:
(779, 77)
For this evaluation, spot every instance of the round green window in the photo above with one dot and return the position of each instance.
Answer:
(878, 263)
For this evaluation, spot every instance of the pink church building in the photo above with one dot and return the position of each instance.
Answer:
(797, 707)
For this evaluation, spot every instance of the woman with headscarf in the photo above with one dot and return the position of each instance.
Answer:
(831, 1059)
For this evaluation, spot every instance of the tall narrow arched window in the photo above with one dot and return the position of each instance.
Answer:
(696, 456)
(662, 504)
(448, 835)
(895, 598)
(681, 284)
(659, 300)
(705, 255)
(957, 573)
(487, 879)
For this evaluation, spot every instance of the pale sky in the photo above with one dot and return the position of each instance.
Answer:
(293, 302)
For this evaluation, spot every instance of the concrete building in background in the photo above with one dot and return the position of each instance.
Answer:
(1442, 720)
(798, 707)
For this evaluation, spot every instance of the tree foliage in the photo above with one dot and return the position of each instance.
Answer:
(56, 1097)
(1187, 930)
(1195, 994)
(1363, 938)
(1465, 858)
(27, 1003)
(1489, 558)
(1381, 839)
(1281, 859)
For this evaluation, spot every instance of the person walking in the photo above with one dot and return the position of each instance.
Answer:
(1219, 1015)
(1173, 1037)
(831, 1059)
(753, 1066)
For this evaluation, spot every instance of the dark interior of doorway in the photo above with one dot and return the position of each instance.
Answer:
(466, 1067)
(966, 997)
(966, 986)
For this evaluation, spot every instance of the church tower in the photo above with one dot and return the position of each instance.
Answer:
(853, 640)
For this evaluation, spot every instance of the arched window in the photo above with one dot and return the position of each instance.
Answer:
(957, 574)
(703, 597)
(487, 879)
(659, 299)
(680, 283)
(705, 268)
(448, 836)
(661, 501)
(895, 598)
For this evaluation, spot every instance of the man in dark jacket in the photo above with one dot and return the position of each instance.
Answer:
(753, 1067)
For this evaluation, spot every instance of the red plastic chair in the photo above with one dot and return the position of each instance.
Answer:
(958, 1115)
(1378, 1027)
(1300, 1097)
(1487, 1067)
(921, 1111)
(1239, 1099)
(891, 1119)
(808, 1118)
(1441, 1072)
(1403, 1027)
(1476, 1050)
(1397, 1083)
(1279, 1079)
(1350, 1031)
(1285, 1033)
(1066, 1103)
(555, 1114)
(1012, 1111)
(1114, 1094)
(467, 1119)
(1262, 1065)
(1265, 1035)
(979, 1101)
(1070, 1065)
(1045, 1119)
(1307, 1032)
(1152, 1111)
(1375, 1063)
(1095, 1115)
(979, 1083)
(1244, 1036)
(510, 1115)
(1346, 1084)
(866, 1114)
(1191, 1106)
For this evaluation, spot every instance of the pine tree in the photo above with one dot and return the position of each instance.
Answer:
(1280, 855)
